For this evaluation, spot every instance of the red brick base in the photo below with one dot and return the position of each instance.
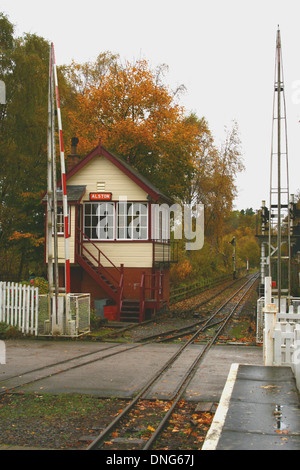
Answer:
(82, 282)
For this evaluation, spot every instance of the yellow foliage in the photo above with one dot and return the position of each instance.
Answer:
(17, 236)
(181, 271)
(32, 195)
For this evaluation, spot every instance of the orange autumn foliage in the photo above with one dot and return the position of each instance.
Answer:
(181, 270)
(137, 117)
(35, 241)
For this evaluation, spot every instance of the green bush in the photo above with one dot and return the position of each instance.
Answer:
(39, 282)
(9, 332)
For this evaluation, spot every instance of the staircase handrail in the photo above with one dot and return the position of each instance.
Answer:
(120, 292)
(100, 252)
(156, 291)
(142, 298)
(155, 287)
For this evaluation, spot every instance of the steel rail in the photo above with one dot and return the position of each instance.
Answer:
(206, 324)
(143, 391)
(148, 338)
(213, 296)
(191, 326)
(253, 278)
(187, 331)
(224, 322)
(37, 379)
(191, 371)
(48, 366)
(38, 369)
(99, 440)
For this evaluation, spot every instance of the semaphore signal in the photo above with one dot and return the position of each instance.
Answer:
(53, 74)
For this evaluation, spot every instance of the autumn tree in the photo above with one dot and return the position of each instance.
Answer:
(214, 182)
(23, 150)
(138, 117)
(242, 225)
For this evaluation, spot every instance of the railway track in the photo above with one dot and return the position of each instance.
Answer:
(16, 382)
(187, 311)
(227, 310)
(60, 367)
(185, 331)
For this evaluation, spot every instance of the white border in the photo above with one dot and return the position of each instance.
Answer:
(214, 433)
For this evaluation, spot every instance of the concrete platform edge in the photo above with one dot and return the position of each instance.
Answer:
(214, 432)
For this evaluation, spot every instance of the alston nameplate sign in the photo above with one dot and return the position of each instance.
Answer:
(100, 196)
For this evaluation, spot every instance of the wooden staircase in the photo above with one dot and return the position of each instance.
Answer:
(111, 279)
(99, 277)
(130, 311)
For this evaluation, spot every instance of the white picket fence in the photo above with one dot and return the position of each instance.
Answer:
(278, 328)
(292, 309)
(19, 306)
(286, 337)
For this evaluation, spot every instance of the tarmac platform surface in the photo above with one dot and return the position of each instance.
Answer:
(258, 406)
(259, 410)
(101, 372)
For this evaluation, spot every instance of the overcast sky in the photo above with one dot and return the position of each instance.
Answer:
(223, 51)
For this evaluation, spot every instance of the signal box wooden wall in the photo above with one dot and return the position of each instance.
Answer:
(119, 236)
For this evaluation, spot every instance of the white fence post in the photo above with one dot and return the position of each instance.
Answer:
(277, 345)
(268, 290)
(8, 304)
(32, 310)
(36, 293)
(23, 327)
(269, 311)
(296, 355)
(4, 302)
(20, 305)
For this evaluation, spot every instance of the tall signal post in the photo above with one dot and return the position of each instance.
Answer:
(279, 214)
(52, 251)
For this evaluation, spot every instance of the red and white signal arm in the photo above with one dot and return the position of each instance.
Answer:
(100, 196)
